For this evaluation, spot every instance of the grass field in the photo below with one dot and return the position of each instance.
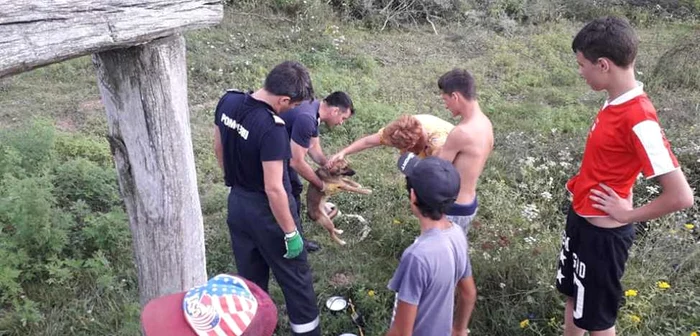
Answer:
(65, 253)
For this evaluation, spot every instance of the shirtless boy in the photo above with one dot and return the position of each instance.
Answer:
(468, 146)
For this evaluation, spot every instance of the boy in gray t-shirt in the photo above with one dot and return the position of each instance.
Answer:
(436, 262)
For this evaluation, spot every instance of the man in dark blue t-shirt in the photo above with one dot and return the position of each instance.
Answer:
(252, 147)
(302, 123)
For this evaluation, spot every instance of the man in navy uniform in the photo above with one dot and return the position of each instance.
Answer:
(302, 123)
(252, 146)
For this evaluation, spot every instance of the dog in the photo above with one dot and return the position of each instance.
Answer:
(316, 200)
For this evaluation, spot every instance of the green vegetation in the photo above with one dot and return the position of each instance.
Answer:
(66, 263)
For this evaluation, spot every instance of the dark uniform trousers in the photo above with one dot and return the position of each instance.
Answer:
(258, 246)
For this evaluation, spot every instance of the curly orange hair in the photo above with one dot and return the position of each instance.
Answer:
(403, 133)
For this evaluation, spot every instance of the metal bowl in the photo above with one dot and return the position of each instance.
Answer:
(336, 303)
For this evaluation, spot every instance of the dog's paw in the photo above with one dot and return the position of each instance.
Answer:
(366, 191)
(338, 231)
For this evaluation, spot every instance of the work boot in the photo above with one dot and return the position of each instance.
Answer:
(311, 246)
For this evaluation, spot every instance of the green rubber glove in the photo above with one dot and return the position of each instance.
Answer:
(294, 244)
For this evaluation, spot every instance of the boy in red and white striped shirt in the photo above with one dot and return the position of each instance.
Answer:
(625, 139)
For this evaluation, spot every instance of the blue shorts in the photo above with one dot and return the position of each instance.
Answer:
(463, 214)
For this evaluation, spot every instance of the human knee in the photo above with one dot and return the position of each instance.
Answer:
(606, 332)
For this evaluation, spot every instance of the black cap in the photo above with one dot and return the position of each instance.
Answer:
(435, 181)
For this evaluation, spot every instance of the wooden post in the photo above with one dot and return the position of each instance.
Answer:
(144, 90)
(35, 33)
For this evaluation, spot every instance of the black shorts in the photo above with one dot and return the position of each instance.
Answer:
(590, 266)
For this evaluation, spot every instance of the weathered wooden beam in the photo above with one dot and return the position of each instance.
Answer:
(144, 91)
(35, 33)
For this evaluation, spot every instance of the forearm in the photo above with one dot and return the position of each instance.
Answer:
(394, 331)
(362, 144)
(665, 204)
(218, 148)
(460, 318)
(220, 156)
(317, 156)
(279, 204)
(302, 168)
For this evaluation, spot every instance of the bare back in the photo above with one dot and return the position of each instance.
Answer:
(469, 145)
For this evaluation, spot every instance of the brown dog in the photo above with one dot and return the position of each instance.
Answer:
(316, 200)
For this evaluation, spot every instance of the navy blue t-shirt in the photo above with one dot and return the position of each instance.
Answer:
(250, 134)
(302, 122)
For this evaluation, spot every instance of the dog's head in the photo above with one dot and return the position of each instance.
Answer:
(339, 168)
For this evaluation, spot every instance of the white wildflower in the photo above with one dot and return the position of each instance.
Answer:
(546, 195)
(530, 161)
(502, 285)
(530, 240)
(565, 155)
(653, 190)
(530, 212)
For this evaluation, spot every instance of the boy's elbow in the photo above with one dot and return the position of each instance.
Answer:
(296, 162)
(684, 199)
(273, 189)
(687, 201)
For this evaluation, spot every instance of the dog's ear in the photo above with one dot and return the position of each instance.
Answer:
(338, 167)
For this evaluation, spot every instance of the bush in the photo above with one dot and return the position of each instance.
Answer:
(107, 233)
(71, 146)
(381, 14)
(28, 150)
(82, 179)
(679, 67)
(29, 218)
(64, 236)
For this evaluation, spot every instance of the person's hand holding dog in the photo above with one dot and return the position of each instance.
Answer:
(336, 157)
(294, 244)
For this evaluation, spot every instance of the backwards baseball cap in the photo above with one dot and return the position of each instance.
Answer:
(435, 181)
(226, 305)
